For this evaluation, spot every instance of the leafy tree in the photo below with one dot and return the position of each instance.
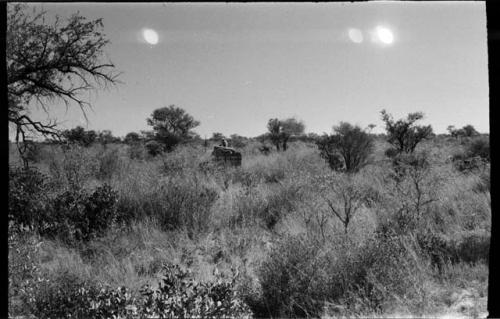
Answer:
(404, 134)
(280, 131)
(466, 131)
(80, 135)
(172, 125)
(154, 148)
(237, 140)
(469, 131)
(348, 147)
(50, 62)
(106, 137)
(217, 136)
(132, 138)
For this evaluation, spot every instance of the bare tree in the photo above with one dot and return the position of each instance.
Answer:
(344, 195)
(48, 62)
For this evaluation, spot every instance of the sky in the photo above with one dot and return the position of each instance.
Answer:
(233, 66)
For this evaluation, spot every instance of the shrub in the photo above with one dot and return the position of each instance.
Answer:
(154, 148)
(350, 144)
(68, 296)
(479, 147)
(291, 280)
(108, 164)
(132, 138)
(463, 162)
(74, 167)
(403, 134)
(27, 197)
(24, 271)
(180, 297)
(185, 203)
(136, 151)
(344, 195)
(78, 215)
(80, 136)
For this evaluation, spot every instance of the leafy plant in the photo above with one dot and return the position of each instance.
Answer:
(27, 197)
(404, 134)
(349, 147)
(180, 297)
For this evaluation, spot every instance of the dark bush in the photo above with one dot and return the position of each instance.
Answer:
(291, 282)
(108, 163)
(27, 197)
(184, 203)
(479, 147)
(349, 145)
(154, 148)
(78, 215)
(179, 296)
(68, 296)
(470, 248)
(80, 136)
(463, 162)
(24, 270)
(136, 151)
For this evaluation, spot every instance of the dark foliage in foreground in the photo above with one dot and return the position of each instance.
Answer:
(177, 296)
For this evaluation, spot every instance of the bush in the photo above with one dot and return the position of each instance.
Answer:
(463, 162)
(80, 136)
(24, 271)
(350, 145)
(78, 215)
(292, 280)
(136, 151)
(180, 297)
(108, 164)
(403, 134)
(154, 148)
(185, 203)
(27, 197)
(74, 167)
(479, 147)
(68, 296)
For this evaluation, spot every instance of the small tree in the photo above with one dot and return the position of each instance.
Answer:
(404, 134)
(106, 137)
(172, 125)
(237, 141)
(344, 195)
(132, 138)
(154, 148)
(80, 136)
(280, 131)
(469, 131)
(217, 136)
(349, 145)
(466, 131)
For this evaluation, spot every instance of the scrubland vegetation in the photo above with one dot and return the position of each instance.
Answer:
(347, 224)
(113, 230)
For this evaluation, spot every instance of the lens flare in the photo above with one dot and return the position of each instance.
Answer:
(150, 36)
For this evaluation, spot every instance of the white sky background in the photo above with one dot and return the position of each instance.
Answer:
(235, 66)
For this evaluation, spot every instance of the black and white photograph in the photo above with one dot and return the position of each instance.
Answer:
(248, 160)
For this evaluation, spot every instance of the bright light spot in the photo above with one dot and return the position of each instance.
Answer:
(384, 35)
(355, 35)
(150, 36)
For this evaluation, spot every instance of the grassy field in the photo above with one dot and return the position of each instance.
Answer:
(416, 245)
